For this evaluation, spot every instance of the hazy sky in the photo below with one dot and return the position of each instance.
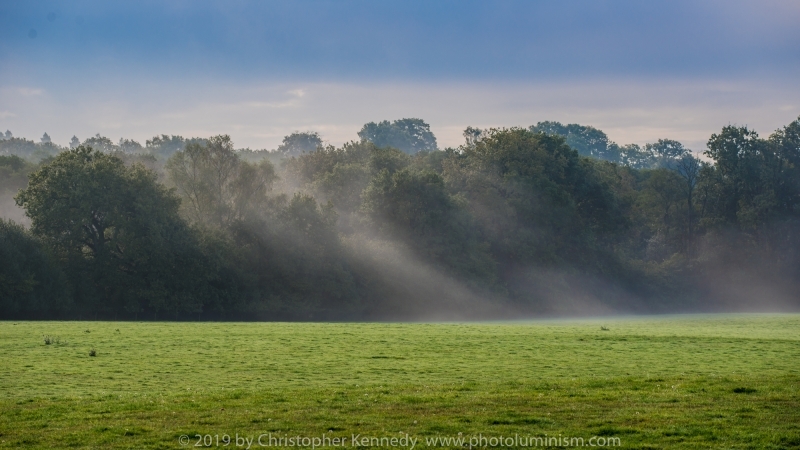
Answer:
(639, 70)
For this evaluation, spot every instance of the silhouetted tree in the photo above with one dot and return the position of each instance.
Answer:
(117, 231)
(31, 282)
(216, 185)
(408, 135)
(298, 143)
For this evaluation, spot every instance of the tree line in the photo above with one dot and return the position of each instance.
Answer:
(548, 219)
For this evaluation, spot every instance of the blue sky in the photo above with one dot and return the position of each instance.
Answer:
(639, 70)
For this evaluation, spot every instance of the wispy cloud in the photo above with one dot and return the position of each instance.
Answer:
(29, 92)
(258, 115)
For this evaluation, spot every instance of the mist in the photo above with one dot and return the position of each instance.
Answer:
(553, 220)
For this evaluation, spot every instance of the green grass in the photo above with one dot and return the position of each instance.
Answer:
(728, 381)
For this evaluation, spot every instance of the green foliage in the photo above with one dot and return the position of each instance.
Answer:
(591, 142)
(533, 195)
(666, 152)
(17, 146)
(340, 175)
(13, 174)
(298, 143)
(297, 263)
(587, 141)
(11, 164)
(409, 135)
(753, 181)
(164, 146)
(660, 203)
(116, 229)
(31, 282)
(257, 156)
(416, 207)
(216, 186)
(129, 146)
(49, 340)
(536, 218)
(101, 144)
(28, 150)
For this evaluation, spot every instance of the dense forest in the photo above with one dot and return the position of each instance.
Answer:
(517, 222)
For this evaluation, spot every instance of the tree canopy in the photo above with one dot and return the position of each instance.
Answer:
(298, 143)
(409, 135)
(117, 229)
(525, 219)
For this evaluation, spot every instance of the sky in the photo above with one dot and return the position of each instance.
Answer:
(259, 70)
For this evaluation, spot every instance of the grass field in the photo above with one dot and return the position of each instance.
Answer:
(729, 381)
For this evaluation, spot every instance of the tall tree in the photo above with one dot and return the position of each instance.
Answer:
(739, 156)
(31, 282)
(586, 140)
(100, 143)
(217, 187)
(688, 167)
(408, 135)
(165, 146)
(415, 206)
(784, 173)
(116, 229)
(665, 152)
(129, 146)
(298, 143)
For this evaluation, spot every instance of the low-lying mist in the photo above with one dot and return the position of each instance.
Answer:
(514, 224)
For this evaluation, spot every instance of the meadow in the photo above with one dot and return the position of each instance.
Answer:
(695, 381)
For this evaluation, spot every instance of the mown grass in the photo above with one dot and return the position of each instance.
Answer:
(727, 381)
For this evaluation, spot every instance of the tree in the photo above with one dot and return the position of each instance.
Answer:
(74, 142)
(688, 167)
(129, 146)
(632, 155)
(30, 280)
(661, 198)
(217, 187)
(298, 143)
(408, 135)
(297, 260)
(46, 139)
(785, 168)
(116, 230)
(339, 175)
(739, 161)
(472, 135)
(18, 146)
(537, 202)
(100, 143)
(666, 152)
(165, 146)
(13, 177)
(416, 207)
(587, 141)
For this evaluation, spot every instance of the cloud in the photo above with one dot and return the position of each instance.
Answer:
(29, 92)
(403, 40)
(638, 70)
(258, 115)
